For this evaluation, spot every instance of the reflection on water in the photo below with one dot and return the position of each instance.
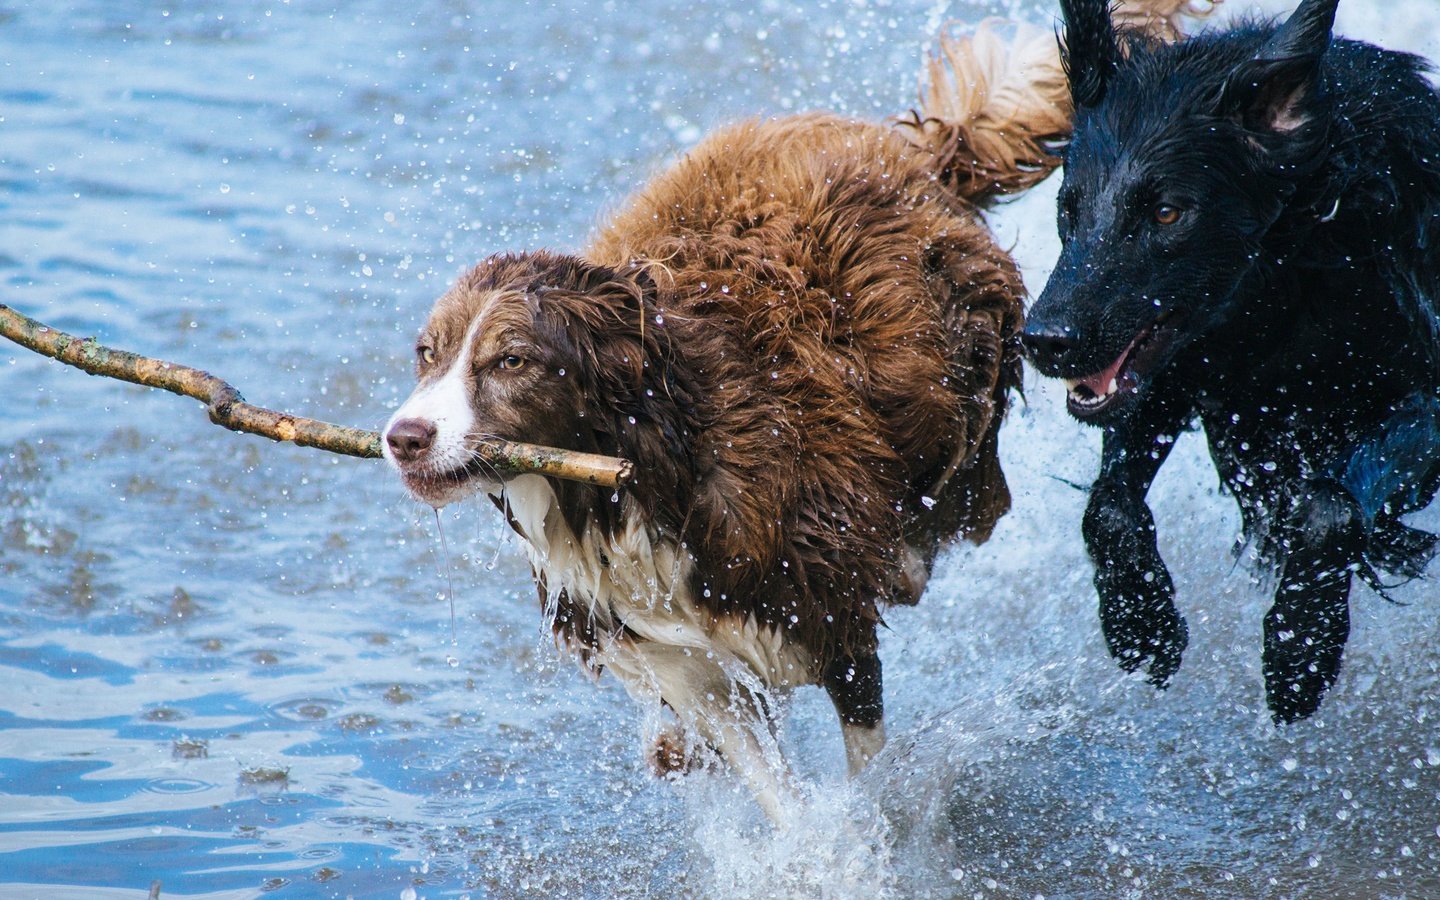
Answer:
(227, 663)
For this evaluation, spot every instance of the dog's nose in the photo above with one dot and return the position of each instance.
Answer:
(409, 439)
(1048, 346)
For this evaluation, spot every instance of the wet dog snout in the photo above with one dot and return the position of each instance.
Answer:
(410, 439)
(1049, 347)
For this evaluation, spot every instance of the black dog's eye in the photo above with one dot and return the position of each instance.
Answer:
(426, 354)
(1165, 214)
(511, 362)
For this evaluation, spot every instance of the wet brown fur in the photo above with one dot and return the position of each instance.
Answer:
(809, 331)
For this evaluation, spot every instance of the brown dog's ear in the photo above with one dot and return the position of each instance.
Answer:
(599, 315)
(1270, 92)
(1089, 49)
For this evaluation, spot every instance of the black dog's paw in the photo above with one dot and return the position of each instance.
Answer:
(1297, 675)
(1142, 626)
(1306, 628)
(1305, 634)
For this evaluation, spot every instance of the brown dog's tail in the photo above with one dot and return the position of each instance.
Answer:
(995, 113)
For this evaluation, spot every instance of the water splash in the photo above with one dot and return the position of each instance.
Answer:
(835, 845)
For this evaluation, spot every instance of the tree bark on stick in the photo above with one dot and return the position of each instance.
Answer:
(228, 409)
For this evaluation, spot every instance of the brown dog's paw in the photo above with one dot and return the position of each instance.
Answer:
(670, 756)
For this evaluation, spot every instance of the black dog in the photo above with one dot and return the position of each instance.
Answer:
(1251, 231)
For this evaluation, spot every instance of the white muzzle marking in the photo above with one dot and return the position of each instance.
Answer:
(443, 402)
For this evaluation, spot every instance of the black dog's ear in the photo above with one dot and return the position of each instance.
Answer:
(1089, 50)
(1269, 92)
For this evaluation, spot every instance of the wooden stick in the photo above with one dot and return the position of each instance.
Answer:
(228, 409)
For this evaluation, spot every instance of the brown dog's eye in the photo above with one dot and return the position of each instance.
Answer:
(511, 362)
(1166, 214)
(426, 354)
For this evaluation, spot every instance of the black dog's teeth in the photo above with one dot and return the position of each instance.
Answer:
(1084, 395)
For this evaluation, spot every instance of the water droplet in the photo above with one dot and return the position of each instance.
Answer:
(452, 662)
(1290, 764)
(928, 502)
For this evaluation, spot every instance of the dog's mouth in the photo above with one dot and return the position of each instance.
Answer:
(443, 488)
(1114, 385)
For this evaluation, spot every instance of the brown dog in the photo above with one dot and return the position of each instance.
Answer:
(803, 336)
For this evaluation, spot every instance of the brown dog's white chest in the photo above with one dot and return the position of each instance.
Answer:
(712, 671)
(636, 587)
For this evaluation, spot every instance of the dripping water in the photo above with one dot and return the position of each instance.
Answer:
(449, 568)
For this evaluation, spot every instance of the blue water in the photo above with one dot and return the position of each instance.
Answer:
(227, 664)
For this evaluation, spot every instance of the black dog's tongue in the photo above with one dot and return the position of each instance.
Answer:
(1104, 382)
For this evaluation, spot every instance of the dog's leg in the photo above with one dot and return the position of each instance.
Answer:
(1137, 598)
(709, 702)
(1306, 628)
(1393, 469)
(854, 685)
(732, 720)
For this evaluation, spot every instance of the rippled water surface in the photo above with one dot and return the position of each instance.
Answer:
(227, 664)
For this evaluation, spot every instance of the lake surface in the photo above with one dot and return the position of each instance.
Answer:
(228, 665)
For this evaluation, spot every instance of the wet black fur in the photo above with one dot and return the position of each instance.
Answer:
(1291, 309)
